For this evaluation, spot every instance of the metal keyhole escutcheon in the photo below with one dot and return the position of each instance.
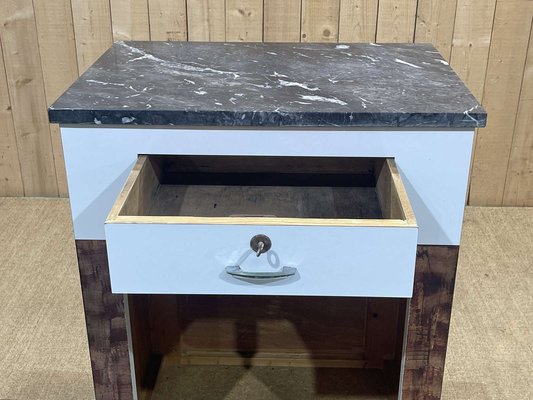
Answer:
(260, 244)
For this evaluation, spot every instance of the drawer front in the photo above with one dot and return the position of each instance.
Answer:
(334, 227)
(330, 261)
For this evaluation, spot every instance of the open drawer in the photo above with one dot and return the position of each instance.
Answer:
(325, 226)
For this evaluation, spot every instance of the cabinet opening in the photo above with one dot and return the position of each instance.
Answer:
(234, 347)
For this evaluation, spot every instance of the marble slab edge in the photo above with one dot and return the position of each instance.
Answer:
(268, 119)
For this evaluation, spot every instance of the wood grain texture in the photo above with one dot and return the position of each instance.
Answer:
(508, 50)
(380, 333)
(220, 323)
(396, 21)
(282, 20)
(272, 330)
(151, 189)
(206, 20)
(470, 46)
(358, 20)
(471, 42)
(59, 160)
(10, 176)
(18, 34)
(92, 28)
(57, 46)
(519, 185)
(429, 322)
(130, 19)
(138, 308)
(96, 23)
(244, 20)
(435, 21)
(320, 20)
(168, 20)
(106, 323)
(59, 65)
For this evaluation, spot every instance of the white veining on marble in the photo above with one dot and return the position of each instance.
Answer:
(262, 86)
(174, 65)
(298, 84)
(406, 63)
(324, 99)
(105, 83)
(270, 84)
(301, 54)
(368, 57)
(467, 113)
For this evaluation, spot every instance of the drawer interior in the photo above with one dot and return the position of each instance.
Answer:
(237, 188)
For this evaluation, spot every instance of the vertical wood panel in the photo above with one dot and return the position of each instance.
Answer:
(434, 24)
(471, 42)
(10, 177)
(429, 321)
(282, 20)
(24, 76)
(59, 65)
(57, 45)
(381, 331)
(508, 50)
(106, 323)
(59, 160)
(168, 20)
(206, 20)
(358, 20)
(92, 27)
(244, 20)
(519, 181)
(320, 20)
(130, 19)
(396, 21)
(73, 33)
(470, 45)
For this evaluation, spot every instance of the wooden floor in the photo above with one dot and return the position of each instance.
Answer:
(43, 347)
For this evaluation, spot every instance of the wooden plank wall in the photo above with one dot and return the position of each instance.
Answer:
(45, 45)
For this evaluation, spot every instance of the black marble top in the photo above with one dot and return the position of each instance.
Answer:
(244, 84)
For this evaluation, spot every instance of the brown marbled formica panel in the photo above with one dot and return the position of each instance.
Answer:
(430, 310)
(106, 323)
(429, 322)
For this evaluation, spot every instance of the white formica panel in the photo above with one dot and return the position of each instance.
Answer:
(434, 165)
(331, 261)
